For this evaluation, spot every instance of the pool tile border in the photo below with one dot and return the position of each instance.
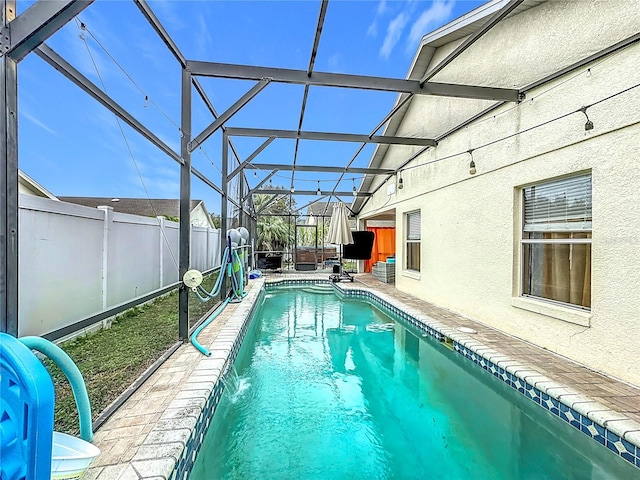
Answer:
(613, 430)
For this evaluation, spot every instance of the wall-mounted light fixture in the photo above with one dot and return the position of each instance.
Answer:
(472, 164)
(589, 125)
(400, 182)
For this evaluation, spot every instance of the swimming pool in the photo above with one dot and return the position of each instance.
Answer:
(335, 388)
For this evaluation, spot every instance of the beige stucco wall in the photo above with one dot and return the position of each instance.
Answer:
(471, 224)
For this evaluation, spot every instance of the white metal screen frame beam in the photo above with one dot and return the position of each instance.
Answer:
(563, 71)
(262, 182)
(250, 158)
(227, 114)
(271, 200)
(155, 23)
(329, 136)
(8, 185)
(488, 25)
(19, 35)
(312, 60)
(322, 168)
(36, 24)
(471, 39)
(152, 19)
(275, 191)
(64, 67)
(342, 80)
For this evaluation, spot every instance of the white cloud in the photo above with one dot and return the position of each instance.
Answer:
(437, 13)
(382, 7)
(203, 38)
(372, 31)
(394, 32)
(153, 176)
(33, 119)
(156, 187)
(334, 62)
(169, 13)
(381, 10)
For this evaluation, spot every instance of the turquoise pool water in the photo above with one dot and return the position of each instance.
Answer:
(336, 389)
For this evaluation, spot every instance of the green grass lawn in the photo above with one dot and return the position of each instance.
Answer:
(111, 359)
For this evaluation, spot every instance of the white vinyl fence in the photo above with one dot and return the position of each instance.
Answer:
(75, 261)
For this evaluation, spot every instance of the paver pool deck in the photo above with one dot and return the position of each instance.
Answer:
(146, 436)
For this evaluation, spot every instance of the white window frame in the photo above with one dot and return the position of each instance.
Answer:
(550, 228)
(407, 241)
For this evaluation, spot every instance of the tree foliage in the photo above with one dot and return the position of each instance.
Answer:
(274, 233)
(311, 236)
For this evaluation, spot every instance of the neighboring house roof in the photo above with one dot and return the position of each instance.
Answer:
(318, 209)
(138, 206)
(321, 208)
(455, 30)
(29, 186)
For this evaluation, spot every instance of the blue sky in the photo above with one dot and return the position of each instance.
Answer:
(73, 146)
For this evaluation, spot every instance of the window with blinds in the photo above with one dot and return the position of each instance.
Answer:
(412, 258)
(558, 206)
(556, 241)
(413, 226)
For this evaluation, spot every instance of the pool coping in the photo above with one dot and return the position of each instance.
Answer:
(169, 446)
